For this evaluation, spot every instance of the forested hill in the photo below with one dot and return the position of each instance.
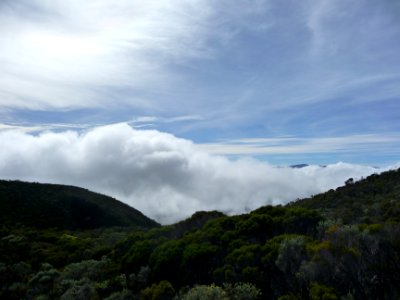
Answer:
(374, 199)
(65, 207)
(340, 245)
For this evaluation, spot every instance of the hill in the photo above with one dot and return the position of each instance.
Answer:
(374, 199)
(340, 245)
(65, 207)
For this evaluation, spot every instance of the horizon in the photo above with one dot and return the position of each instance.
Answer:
(168, 96)
(184, 217)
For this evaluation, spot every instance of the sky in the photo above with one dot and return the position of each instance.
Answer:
(174, 106)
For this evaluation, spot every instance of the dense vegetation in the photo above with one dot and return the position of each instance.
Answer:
(343, 244)
(372, 200)
(64, 207)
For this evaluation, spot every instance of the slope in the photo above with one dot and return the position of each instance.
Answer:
(374, 199)
(65, 207)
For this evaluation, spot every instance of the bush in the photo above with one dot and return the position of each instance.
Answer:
(321, 292)
(206, 292)
(242, 291)
(239, 291)
(160, 291)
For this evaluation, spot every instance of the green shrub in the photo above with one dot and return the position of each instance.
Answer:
(160, 291)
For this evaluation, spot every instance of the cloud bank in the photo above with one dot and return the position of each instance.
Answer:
(165, 177)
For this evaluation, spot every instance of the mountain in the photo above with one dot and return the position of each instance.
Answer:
(299, 166)
(342, 244)
(64, 207)
(375, 199)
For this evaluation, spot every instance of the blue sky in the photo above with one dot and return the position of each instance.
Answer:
(184, 105)
(213, 72)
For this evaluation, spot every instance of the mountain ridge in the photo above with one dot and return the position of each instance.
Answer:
(44, 205)
(373, 199)
(342, 244)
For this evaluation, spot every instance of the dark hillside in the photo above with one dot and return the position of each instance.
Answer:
(340, 245)
(65, 207)
(195, 222)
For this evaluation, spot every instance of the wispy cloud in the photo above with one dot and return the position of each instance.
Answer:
(152, 55)
(296, 145)
(207, 70)
(45, 127)
(89, 45)
(71, 54)
(151, 120)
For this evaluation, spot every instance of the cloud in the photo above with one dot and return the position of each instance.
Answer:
(340, 27)
(295, 145)
(165, 177)
(64, 52)
(62, 55)
(236, 65)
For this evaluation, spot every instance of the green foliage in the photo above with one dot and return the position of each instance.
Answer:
(343, 244)
(165, 258)
(291, 253)
(242, 291)
(289, 297)
(375, 199)
(138, 254)
(203, 292)
(42, 282)
(160, 291)
(139, 281)
(91, 269)
(66, 207)
(123, 295)
(322, 292)
(196, 221)
(239, 291)
(81, 290)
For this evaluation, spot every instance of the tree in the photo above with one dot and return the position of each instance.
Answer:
(322, 292)
(206, 292)
(161, 291)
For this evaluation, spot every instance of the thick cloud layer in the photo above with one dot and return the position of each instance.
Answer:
(165, 177)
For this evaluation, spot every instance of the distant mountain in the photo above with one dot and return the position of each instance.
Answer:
(64, 207)
(299, 166)
(374, 199)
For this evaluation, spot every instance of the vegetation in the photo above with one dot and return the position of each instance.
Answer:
(372, 200)
(65, 207)
(343, 244)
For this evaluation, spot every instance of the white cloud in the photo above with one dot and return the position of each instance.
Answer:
(165, 177)
(58, 54)
(295, 145)
(58, 59)
(232, 63)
